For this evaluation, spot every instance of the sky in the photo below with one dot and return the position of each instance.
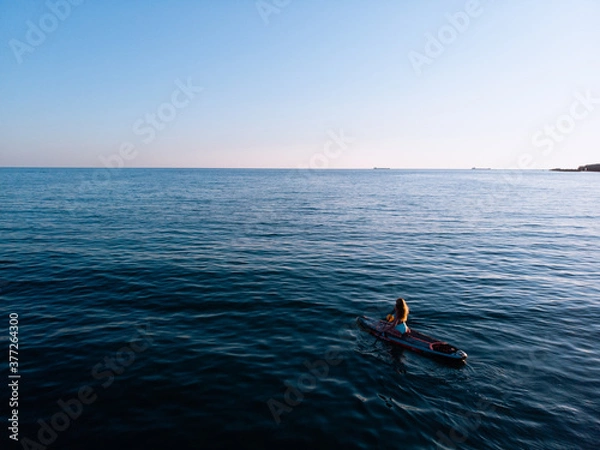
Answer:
(299, 83)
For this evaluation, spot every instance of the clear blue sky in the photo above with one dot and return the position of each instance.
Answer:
(80, 83)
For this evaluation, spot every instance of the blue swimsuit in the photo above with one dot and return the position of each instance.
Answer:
(402, 328)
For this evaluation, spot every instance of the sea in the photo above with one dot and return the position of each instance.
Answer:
(216, 308)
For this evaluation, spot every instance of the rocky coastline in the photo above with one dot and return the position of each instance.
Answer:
(587, 168)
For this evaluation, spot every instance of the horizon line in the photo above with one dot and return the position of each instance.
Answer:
(269, 168)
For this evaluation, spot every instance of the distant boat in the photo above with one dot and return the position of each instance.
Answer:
(481, 168)
(381, 168)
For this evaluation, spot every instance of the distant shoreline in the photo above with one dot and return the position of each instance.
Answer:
(587, 168)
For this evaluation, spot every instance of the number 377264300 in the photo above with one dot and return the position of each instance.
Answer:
(13, 348)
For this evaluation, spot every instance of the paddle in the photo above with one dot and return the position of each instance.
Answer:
(383, 331)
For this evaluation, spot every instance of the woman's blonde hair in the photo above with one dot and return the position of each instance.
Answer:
(401, 310)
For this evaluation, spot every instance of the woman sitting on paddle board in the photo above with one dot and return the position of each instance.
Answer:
(401, 314)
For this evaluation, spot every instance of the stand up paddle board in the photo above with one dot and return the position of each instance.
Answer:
(413, 340)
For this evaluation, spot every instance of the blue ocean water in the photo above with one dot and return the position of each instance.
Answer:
(216, 308)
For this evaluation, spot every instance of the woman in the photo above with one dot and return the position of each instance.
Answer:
(398, 320)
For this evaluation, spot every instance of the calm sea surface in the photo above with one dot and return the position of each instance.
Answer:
(216, 308)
